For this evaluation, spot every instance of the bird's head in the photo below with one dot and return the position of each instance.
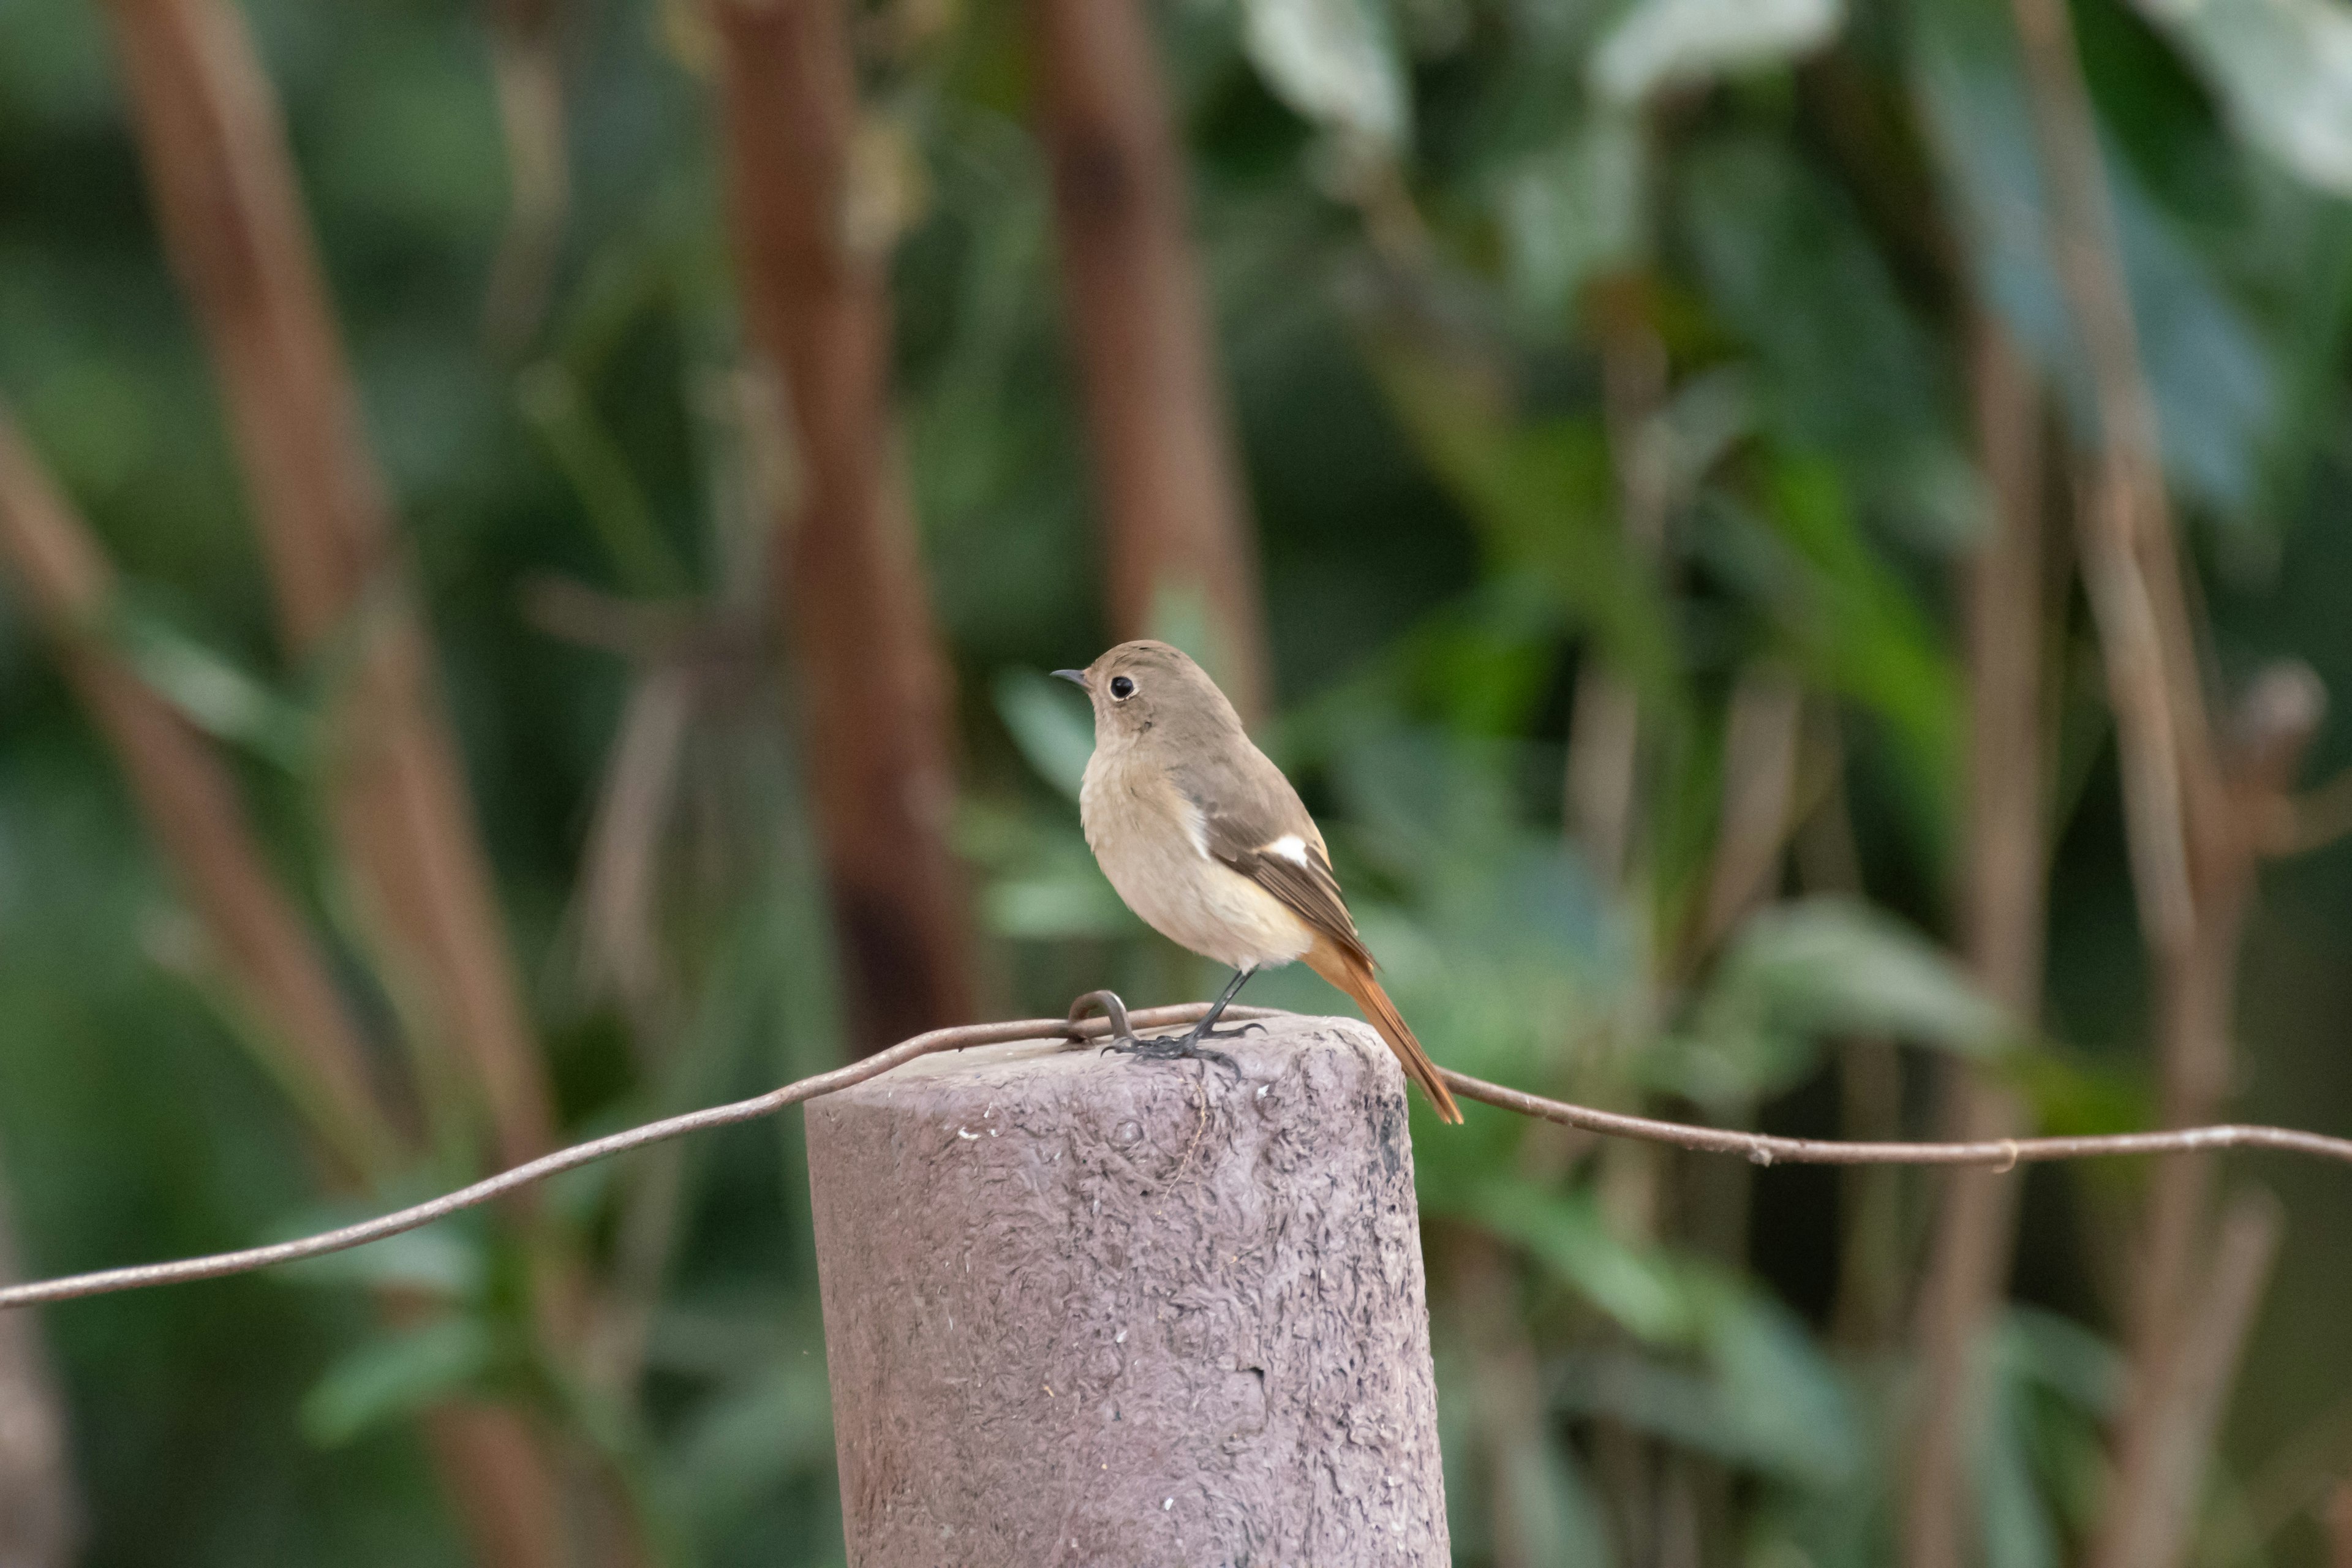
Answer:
(1153, 689)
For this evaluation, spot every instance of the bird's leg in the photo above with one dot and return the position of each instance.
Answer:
(1176, 1047)
(1206, 1029)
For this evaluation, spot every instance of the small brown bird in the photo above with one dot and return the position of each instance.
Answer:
(1207, 841)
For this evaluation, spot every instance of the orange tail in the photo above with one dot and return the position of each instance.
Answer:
(1352, 974)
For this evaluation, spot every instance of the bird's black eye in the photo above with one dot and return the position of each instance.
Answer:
(1121, 688)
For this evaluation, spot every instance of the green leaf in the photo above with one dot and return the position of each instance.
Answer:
(1844, 365)
(1835, 966)
(2207, 368)
(1565, 1233)
(2073, 1097)
(773, 1424)
(1859, 625)
(1056, 902)
(1763, 1397)
(1542, 497)
(394, 1378)
(1051, 723)
(1574, 209)
(1667, 43)
(1781, 1395)
(211, 690)
(2282, 71)
(1798, 974)
(1333, 61)
(445, 1259)
(1553, 1515)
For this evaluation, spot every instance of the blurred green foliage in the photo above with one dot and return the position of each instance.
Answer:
(1421, 221)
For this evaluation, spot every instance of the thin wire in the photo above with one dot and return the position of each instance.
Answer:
(1999, 1153)
(1762, 1149)
(142, 1275)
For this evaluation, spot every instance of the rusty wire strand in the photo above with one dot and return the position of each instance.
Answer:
(1762, 1149)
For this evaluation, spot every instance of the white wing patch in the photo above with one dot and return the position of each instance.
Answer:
(1196, 824)
(1291, 847)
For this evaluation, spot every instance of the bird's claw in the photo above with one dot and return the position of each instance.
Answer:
(1176, 1047)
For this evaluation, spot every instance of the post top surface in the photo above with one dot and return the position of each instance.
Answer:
(1262, 1054)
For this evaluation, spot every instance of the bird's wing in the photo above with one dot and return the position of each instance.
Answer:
(1254, 823)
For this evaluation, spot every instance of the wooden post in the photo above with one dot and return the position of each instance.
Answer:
(1083, 1309)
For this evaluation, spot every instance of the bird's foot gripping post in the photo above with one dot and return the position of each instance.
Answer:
(1176, 1049)
(1186, 1047)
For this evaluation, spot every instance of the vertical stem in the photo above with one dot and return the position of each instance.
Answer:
(278, 974)
(1759, 779)
(2002, 918)
(873, 675)
(1600, 810)
(2192, 853)
(226, 197)
(2186, 1406)
(39, 1517)
(229, 206)
(1869, 1086)
(488, 1460)
(2188, 1341)
(1604, 730)
(1176, 524)
(1506, 1395)
(529, 78)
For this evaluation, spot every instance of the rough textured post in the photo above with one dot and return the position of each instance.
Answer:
(1081, 1308)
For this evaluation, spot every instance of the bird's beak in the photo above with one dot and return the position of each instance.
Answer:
(1074, 677)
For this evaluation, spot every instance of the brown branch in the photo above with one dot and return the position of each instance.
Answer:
(2274, 722)
(872, 677)
(2002, 919)
(1757, 1148)
(529, 77)
(1759, 782)
(2194, 827)
(278, 976)
(486, 1456)
(1176, 526)
(39, 1517)
(1604, 732)
(1509, 1421)
(2170, 1447)
(229, 207)
(231, 215)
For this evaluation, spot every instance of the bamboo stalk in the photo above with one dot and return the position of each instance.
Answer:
(524, 63)
(39, 1520)
(2185, 1410)
(279, 977)
(229, 208)
(1759, 780)
(232, 221)
(1176, 526)
(1604, 736)
(1509, 1421)
(487, 1458)
(2002, 917)
(873, 676)
(2196, 817)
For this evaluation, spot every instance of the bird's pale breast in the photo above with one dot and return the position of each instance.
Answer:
(1149, 841)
